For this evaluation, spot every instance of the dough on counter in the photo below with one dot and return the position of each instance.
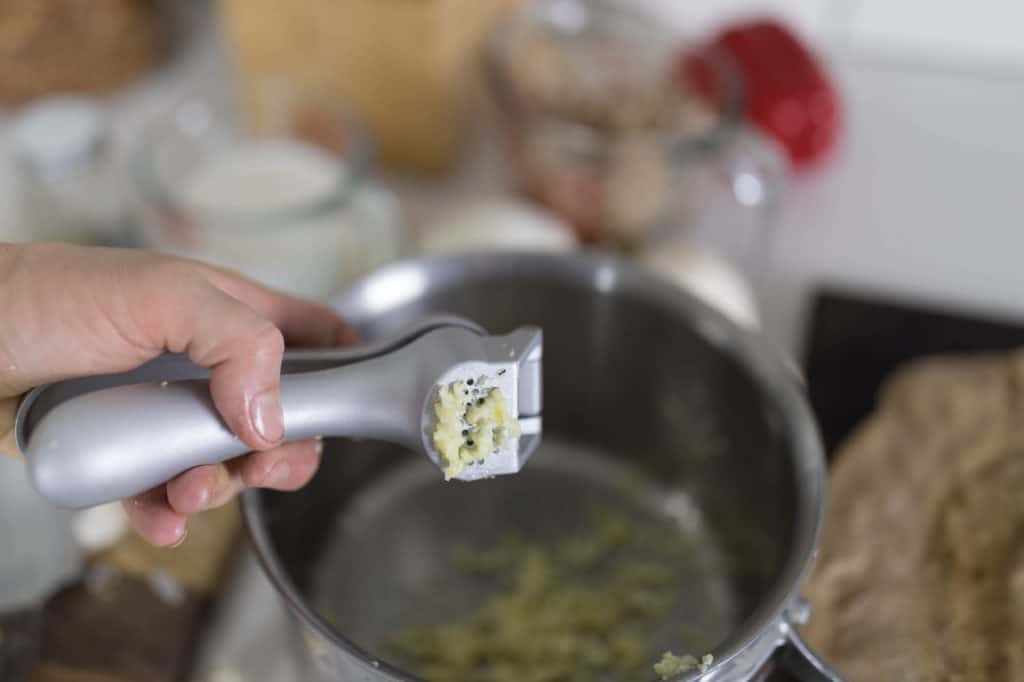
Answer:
(921, 571)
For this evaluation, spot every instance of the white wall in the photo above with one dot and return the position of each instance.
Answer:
(952, 33)
(923, 199)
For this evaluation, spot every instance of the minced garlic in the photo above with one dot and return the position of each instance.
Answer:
(472, 422)
(671, 665)
(582, 606)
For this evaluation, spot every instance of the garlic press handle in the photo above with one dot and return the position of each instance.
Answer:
(119, 441)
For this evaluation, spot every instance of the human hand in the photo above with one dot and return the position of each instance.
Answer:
(72, 311)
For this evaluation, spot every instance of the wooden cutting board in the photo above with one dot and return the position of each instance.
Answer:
(921, 571)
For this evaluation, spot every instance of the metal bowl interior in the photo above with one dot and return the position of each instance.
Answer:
(640, 380)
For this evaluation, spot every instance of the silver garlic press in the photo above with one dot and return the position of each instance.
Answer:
(96, 439)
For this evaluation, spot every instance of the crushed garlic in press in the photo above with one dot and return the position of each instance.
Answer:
(472, 422)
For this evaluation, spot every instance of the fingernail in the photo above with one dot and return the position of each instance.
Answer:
(267, 417)
(181, 540)
(319, 445)
(203, 497)
(278, 476)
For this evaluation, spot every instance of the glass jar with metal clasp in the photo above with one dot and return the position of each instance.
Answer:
(610, 119)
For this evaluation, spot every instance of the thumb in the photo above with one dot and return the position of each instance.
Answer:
(242, 349)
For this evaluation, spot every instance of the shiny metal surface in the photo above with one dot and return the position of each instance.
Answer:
(410, 525)
(83, 449)
(637, 376)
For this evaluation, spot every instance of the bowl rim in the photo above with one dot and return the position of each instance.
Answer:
(604, 273)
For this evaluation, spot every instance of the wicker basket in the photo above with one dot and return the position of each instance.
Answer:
(84, 46)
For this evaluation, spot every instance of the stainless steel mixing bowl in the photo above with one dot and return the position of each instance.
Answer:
(641, 382)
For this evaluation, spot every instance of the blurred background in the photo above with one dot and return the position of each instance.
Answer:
(837, 174)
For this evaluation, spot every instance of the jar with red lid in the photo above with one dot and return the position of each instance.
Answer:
(788, 94)
(599, 124)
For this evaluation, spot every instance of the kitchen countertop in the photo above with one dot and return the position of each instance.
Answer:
(920, 202)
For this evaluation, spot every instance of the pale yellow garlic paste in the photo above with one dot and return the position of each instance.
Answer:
(671, 665)
(472, 422)
(579, 609)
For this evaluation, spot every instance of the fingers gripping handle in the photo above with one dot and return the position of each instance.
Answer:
(121, 441)
(97, 439)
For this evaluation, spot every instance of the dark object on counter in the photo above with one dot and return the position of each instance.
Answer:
(123, 631)
(19, 643)
(855, 342)
(57, 46)
(138, 612)
(788, 92)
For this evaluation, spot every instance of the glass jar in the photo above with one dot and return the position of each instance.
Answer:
(605, 119)
(291, 206)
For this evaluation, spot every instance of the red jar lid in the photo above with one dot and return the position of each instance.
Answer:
(788, 93)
